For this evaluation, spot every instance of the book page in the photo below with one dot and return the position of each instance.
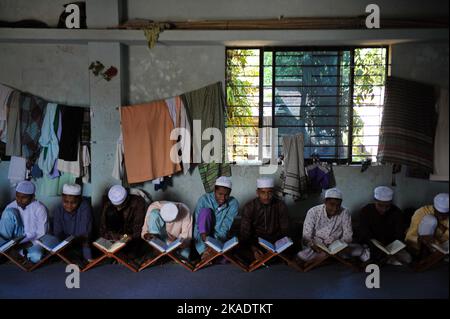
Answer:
(174, 244)
(443, 248)
(158, 244)
(47, 238)
(5, 245)
(266, 244)
(108, 245)
(336, 247)
(103, 243)
(380, 246)
(395, 247)
(62, 244)
(323, 247)
(214, 243)
(230, 243)
(282, 244)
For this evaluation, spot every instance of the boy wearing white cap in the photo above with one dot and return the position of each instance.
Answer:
(123, 214)
(326, 223)
(383, 221)
(73, 217)
(214, 214)
(25, 217)
(265, 216)
(169, 221)
(429, 223)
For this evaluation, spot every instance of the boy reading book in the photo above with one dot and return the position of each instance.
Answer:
(266, 217)
(382, 221)
(169, 222)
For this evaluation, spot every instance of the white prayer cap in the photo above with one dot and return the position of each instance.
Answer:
(265, 182)
(224, 181)
(28, 188)
(72, 189)
(383, 193)
(169, 212)
(441, 202)
(117, 194)
(333, 193)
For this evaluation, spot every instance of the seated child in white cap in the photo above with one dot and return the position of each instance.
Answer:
(429, 223)
(214, 214)
(123, 214)
(73, 217)
(265, 217)
(25, 217)
(326, 223)
(383, 221)
(169, 221)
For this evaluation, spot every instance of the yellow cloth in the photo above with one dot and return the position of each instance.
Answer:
(412, 235)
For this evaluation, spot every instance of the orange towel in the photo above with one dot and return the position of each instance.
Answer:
(146, 139)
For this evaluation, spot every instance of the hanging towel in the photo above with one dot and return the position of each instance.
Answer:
(208, 105)
(180, 119)
(48, 141)
(146, 140)
(408, 124)
(32, 109)
(118, 168)
(72, 119)
(14, 140)
(294, 181)
(5, 93)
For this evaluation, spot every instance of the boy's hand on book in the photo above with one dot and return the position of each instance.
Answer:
(125, 237)
(148, 236)
(184, 244)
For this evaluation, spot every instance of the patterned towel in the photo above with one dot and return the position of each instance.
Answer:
(408, 124)
(294, 180)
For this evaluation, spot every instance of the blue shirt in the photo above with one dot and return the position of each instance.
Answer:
(78, 223)
(224, 217)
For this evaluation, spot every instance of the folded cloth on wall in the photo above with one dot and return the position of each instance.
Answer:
(72, 119)
(32, 109)
(146, 132)
(13, 136)
(408, 124)
(294, 181)
(206, 104)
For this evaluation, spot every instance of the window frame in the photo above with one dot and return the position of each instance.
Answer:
(262, 49)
